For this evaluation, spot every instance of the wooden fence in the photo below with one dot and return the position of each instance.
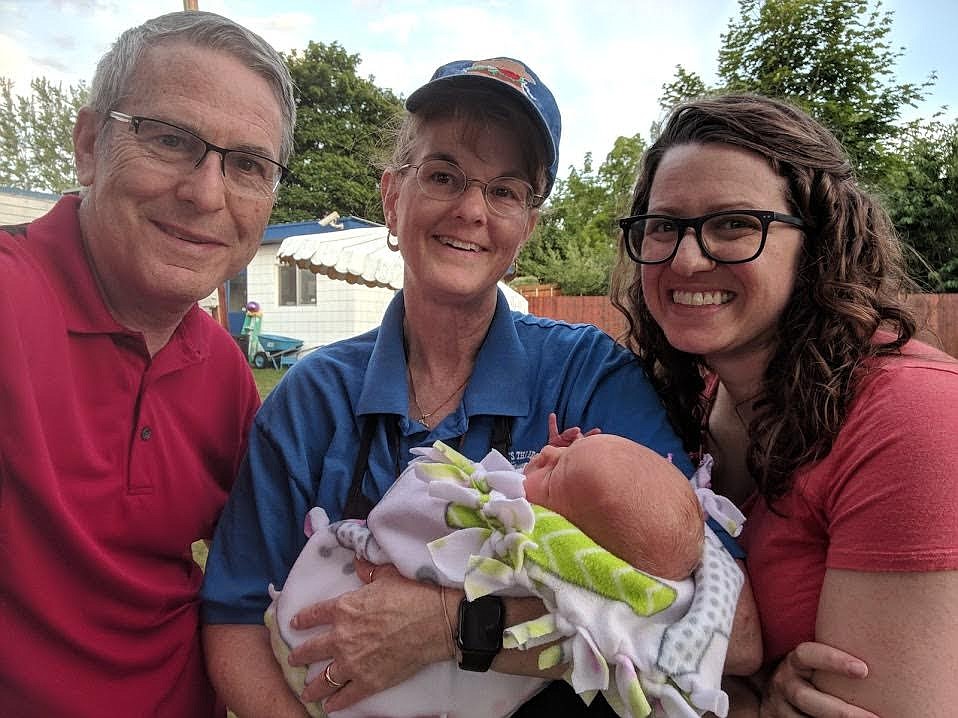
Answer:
(939, 314)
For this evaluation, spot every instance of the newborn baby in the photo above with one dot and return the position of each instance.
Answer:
(627, 498)
(619, 576)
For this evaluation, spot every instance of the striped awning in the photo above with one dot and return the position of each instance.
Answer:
(359, 256)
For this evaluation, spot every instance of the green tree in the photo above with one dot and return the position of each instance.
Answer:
(922, 197)
(36, 135)
(338, 134)
(574, 243)
(832, 57)
(686, 86)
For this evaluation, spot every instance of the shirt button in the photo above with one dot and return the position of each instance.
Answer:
(146, 433)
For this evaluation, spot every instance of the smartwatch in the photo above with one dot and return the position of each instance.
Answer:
(480, 632)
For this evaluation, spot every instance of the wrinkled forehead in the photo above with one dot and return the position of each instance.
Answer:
(209, 92)
(477, 124)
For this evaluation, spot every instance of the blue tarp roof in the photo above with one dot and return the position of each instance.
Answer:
(276, 233)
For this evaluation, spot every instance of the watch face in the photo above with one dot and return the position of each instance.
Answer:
(480, 628)
(480, 624)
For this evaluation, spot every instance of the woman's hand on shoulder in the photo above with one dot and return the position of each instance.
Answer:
(789, 692)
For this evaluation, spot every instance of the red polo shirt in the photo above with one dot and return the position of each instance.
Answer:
(111, 465)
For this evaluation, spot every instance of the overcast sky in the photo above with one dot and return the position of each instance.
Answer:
(605, 60)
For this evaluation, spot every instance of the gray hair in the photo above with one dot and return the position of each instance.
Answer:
(115, 70)
(477, 108)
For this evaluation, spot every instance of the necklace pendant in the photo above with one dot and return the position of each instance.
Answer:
(424, 415)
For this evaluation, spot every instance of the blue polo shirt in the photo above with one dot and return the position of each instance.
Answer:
(304, 442)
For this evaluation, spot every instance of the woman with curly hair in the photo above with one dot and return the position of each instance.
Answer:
(764, 290)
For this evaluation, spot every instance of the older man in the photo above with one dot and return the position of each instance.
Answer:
(123, 407)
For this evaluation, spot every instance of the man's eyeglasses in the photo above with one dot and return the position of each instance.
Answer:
(506, 196)
(729, 237)
(247, 174)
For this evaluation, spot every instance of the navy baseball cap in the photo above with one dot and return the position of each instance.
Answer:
(508, 75)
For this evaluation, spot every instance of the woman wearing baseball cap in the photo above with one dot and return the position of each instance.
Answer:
(474, 159)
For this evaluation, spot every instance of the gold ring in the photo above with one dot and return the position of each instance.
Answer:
(329, 678)
(372, 573)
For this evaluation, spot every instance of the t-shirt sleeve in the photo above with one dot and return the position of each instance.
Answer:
(260, 531)
(888, 492)
(249, 547)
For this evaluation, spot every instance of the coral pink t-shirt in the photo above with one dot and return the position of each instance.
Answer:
(884, 499)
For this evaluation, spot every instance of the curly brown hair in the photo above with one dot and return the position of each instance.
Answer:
(851, 282)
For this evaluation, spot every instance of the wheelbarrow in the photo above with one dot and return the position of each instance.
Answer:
(264, 350)
(276, 351)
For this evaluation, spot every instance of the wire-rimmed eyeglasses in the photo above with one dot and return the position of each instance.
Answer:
(246, 173)
(728, 237)
(444, 180)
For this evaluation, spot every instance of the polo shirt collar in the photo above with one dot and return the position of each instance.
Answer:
(500, 379)
(57, 235)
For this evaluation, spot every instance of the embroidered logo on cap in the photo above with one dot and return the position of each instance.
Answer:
(505, 70)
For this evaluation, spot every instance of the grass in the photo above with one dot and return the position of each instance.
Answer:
(266, 379)
(200, 552)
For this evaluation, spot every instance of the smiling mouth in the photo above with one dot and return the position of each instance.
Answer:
(192, 239)
(701, 299)
(459, 244)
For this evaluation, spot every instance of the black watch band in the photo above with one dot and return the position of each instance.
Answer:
(479, 640)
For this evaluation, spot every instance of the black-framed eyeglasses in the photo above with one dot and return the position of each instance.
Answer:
(444, 180)
(728, 237)
(246, 173)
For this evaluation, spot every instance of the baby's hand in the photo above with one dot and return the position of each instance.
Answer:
(573, 433)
